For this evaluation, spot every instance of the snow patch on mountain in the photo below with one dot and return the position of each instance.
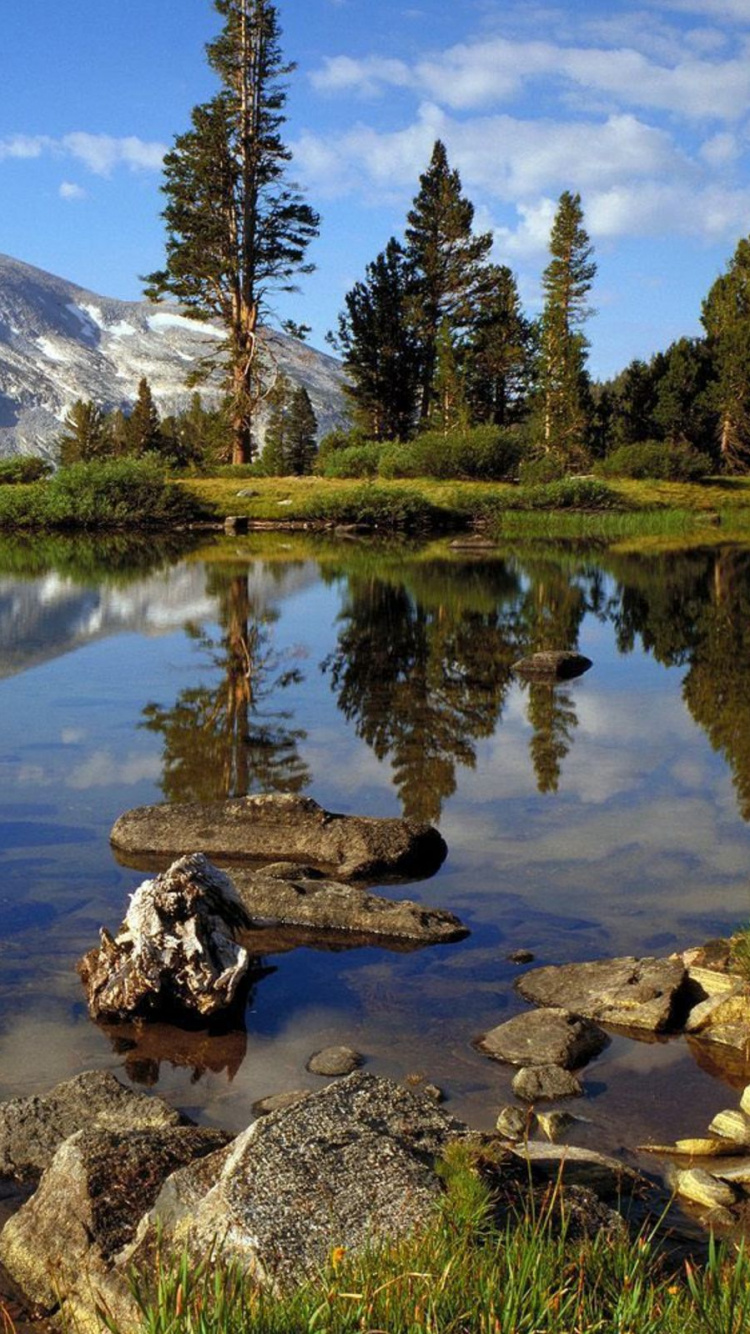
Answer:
(59, 342)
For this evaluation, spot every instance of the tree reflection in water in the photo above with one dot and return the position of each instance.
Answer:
(226, 739)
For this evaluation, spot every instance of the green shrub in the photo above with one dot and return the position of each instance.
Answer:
(353, 461)
(117, 493)
(484, 454)
(376, 507)
(334, 441)
(658, 460)
(579, 493)
(548, 468)
(23, 468)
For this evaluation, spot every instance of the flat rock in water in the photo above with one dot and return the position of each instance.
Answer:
(334, 1061)
(633, 993)
(283, 898)
(536, 1083)
(350, 1165)
(177, 951)
(544, 1037)
(580, 1167)
(282, 827)
(61, 1247)
(32, 1129)
(553, 666)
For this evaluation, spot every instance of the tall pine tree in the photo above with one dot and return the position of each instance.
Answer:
(87, 436)
(726, 319)
(237, 229)
(303, 430)
(447, 262)
(499, 353)
(381, 352)
(563, 381)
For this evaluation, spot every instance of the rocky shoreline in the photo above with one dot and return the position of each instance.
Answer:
(97, 1178)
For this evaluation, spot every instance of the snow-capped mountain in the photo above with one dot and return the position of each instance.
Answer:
(59, 342)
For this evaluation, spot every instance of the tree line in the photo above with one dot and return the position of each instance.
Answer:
(433, 337)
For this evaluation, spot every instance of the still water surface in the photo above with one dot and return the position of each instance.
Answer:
(603, 817)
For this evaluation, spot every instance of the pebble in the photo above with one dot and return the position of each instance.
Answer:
(545, 1081)
(334, 1061)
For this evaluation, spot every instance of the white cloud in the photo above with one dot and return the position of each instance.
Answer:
(69, 190)
(101, 153)
(24, 146)
(471, 75)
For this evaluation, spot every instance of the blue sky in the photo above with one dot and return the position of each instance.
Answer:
(643, 108)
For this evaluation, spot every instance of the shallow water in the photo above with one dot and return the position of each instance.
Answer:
(605, 816)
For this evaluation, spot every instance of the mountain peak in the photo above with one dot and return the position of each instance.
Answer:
(60, 342)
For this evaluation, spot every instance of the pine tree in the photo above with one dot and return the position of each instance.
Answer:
(447, 260)
(276, 447)
(302, 431)
(564, 386)
(143, 430)
(237, 229)
(726, 318)
(499, 353)
(449, 411)
(87, 436)
(380, 348)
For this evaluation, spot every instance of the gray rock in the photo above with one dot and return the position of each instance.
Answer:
(282, 827)
(633, 993)
(703, 1188)
(176, 951)
(544, 1037)
(514, 1123)
(276, 896)
(32, 1129)
(62, 1246)
(334, 1061)
(546, 1082)
(350, 1165)
(555, 666)
(276, 1102)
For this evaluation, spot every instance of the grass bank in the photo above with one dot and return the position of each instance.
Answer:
(471, 1274)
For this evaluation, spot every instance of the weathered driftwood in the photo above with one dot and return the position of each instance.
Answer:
(177, 950)
(280, 827)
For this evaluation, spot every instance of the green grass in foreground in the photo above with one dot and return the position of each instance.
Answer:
(467, 1275)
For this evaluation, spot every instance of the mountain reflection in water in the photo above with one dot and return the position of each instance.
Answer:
(601, 816)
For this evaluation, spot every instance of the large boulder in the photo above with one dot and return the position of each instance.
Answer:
(544, 1038)
(346, 1166)
(285, 897)
(177, 950)
(281, 827)
(32, 1129)
(62, 1247)
(632, 993)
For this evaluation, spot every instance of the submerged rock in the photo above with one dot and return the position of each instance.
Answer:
(633, 993)
(176, 951)
(334, 1061)
(287, 896)
(560, 665)
(552, 1037)
(32, 1129)
(282, 827)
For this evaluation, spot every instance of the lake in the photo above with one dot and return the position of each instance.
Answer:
(605, 816)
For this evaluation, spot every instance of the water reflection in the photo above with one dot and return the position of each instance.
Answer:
(226, 738)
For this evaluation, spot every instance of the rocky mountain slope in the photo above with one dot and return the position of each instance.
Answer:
(59, 342)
